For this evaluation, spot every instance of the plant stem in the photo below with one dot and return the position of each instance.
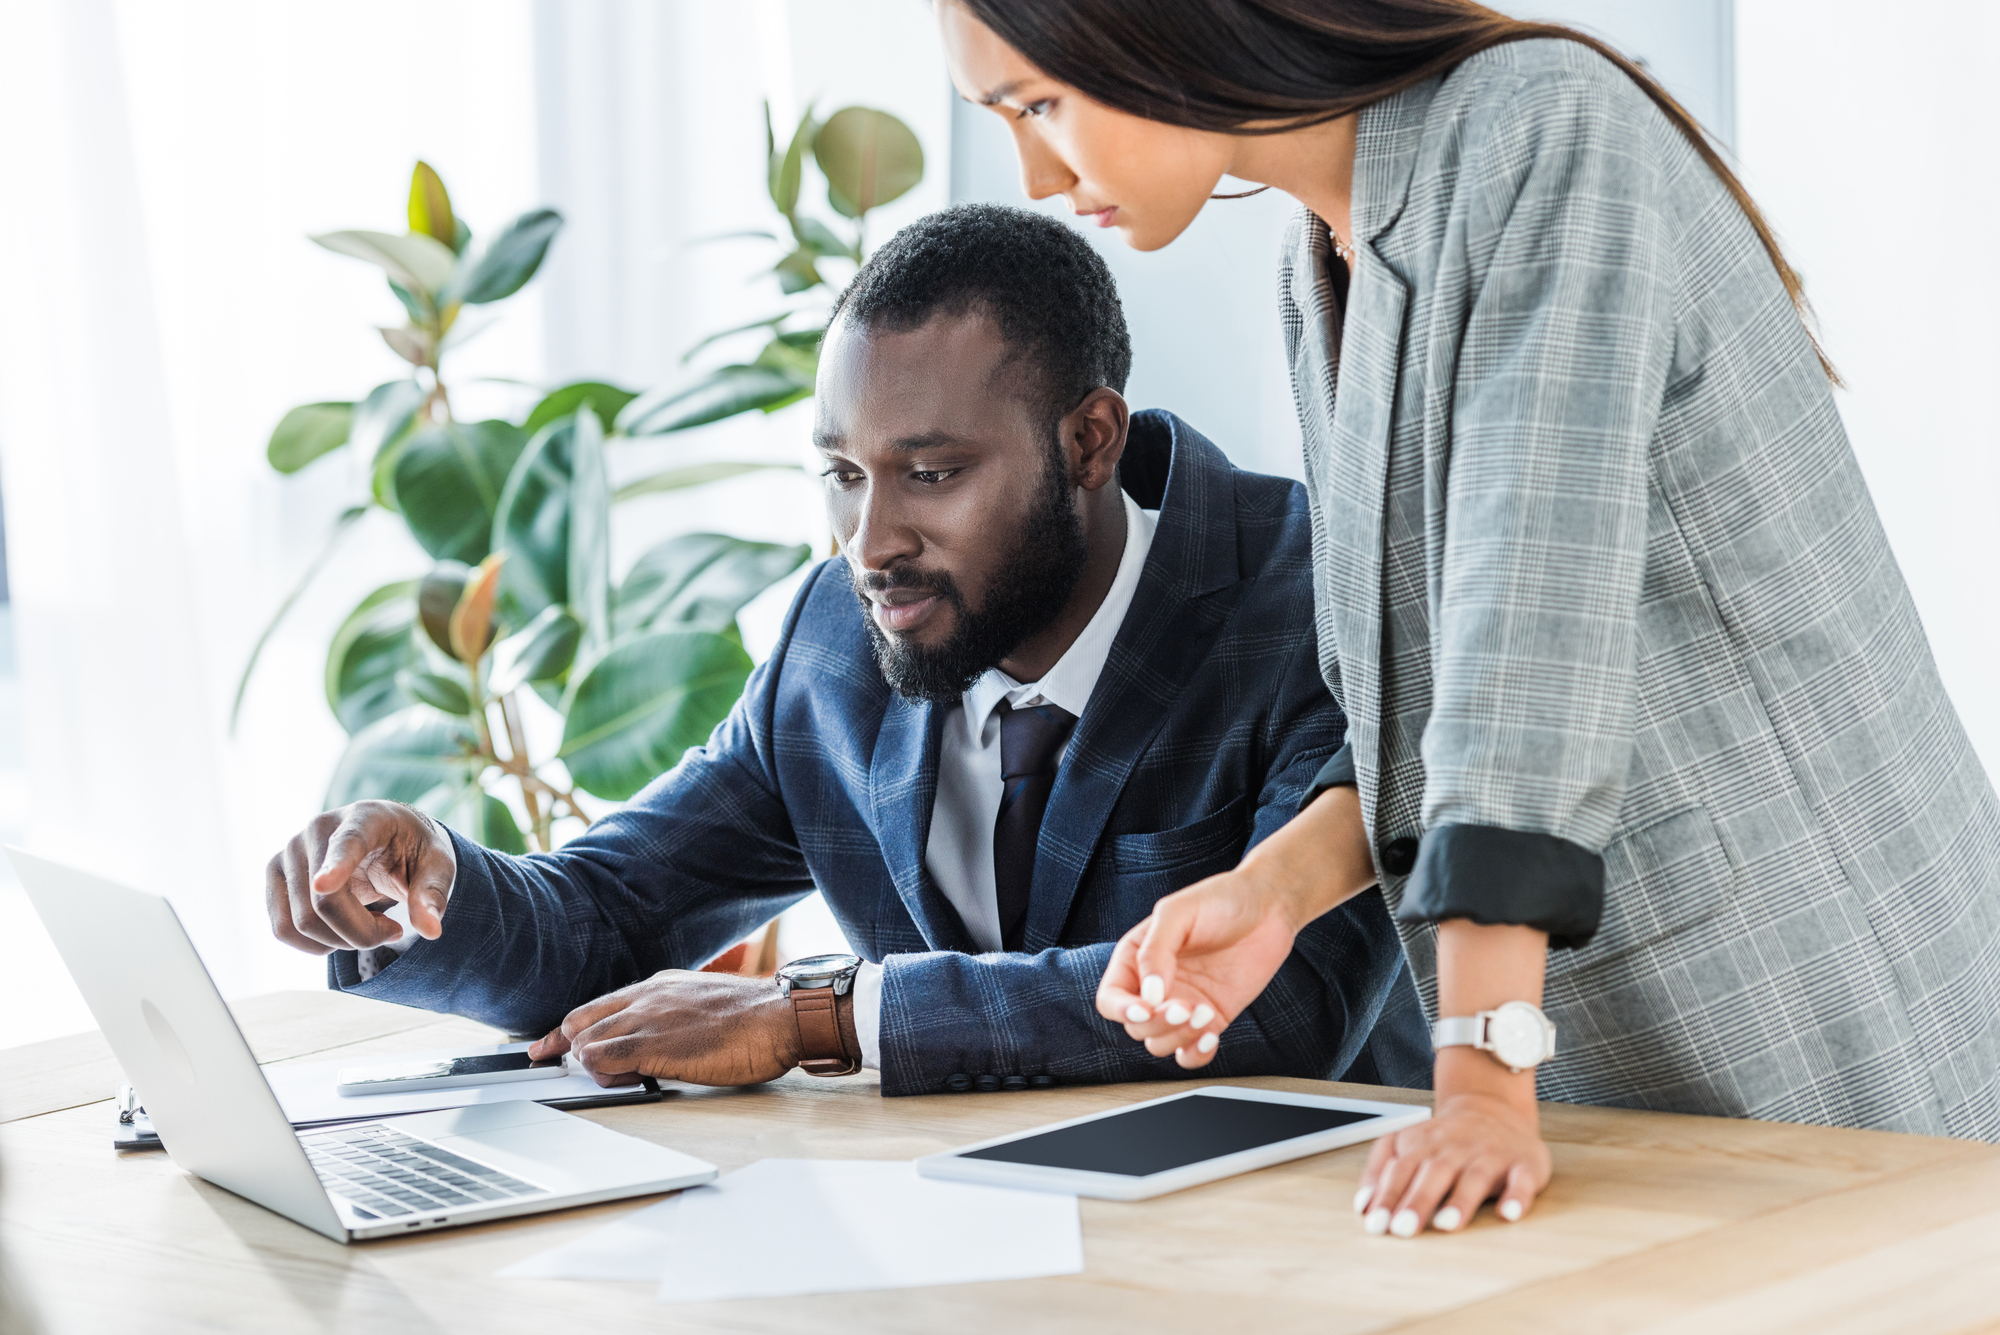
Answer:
(511, 717)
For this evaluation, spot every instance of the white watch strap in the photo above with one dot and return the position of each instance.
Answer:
(1458, 1031)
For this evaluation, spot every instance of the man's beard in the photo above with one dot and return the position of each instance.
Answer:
(1032, 587)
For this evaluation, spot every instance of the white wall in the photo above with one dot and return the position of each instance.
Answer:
(1688, 45)
(1869, 138)
(160, 168)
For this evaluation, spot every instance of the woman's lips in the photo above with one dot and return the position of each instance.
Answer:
(904, 616)
(1103, 217)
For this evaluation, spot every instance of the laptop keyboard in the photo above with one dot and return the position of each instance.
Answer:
(386, 1173)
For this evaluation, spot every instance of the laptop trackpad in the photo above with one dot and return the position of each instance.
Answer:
(549, 1147)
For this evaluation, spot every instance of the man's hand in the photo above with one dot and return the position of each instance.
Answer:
(327, 889)
(703, 1028)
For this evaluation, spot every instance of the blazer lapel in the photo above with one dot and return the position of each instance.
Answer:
(902, 787)
(1347, 434)
(1353, 492)
(1166, 635)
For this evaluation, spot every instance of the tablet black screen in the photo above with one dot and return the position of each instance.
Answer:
(1168, 1135)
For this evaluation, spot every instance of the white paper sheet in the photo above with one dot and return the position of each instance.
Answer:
(306, 1090)
(633, 1248)
(877, 1225)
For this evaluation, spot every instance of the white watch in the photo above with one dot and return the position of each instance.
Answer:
(1516, 1034)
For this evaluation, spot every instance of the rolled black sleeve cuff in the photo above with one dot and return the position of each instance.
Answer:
(1506, 878)
(1337, 772)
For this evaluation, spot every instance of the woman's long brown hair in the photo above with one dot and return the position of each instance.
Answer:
(1268, 66)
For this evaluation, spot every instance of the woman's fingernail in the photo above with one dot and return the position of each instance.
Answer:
(1202, 1015)
(1361, 1199)
(1377, 1222)
(1153, 990)
(1510, 1210)
(1404, 1225)
(1137, 1014)
(1447, 1220)
(1176, 1013)
(1206, 1043)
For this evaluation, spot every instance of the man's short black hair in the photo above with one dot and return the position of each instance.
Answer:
(1041, 283)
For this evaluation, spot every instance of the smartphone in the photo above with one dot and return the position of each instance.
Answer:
(481, 1068)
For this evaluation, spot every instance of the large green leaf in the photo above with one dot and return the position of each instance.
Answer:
(510, 260)
(786, 170)
(795, 357)
(404, 756)
(383, 415)
(420, 263)
(476, 814)
(768, 322)
(377, 641)
(690, 475)
(435, 690)
(644, 704)
(589, 537)
(721, 393)
(798, 271)
(306, 432)
(489, 821)
(869, 158)
(430, 206)
(607, 401)
(540, 651)
(532, 523)
(438, 593)
(699, 581)
(448, 482)
(810, 231)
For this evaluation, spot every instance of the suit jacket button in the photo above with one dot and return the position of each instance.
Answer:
(1041, 1081)
(1014, 1082)
(987, 1083)
(958, 1082)
(1399, 856)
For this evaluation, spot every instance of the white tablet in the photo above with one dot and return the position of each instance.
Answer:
(1162, 1145)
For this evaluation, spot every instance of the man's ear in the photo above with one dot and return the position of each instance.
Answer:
(1094, 437)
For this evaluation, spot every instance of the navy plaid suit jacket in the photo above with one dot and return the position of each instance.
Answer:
(1203, 734)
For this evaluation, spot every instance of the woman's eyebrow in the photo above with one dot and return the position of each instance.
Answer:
(1001, 93)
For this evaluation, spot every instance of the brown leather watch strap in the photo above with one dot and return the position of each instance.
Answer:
(822, 1044)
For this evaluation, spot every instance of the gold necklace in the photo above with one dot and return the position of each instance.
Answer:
(1341, 249)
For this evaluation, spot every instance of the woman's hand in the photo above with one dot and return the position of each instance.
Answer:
(1179, 977)
(1484, 1138)
(1438, 1173)
(1212, 948)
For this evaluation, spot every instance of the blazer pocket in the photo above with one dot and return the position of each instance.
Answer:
(1218, 833)
(1658, 879)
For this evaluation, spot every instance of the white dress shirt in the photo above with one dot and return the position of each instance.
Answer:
(959, 855)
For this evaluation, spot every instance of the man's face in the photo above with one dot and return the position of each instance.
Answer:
(950, 496)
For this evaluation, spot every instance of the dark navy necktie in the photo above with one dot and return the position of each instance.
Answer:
(1031, 739)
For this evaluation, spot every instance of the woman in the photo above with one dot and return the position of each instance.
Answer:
(1645, 738)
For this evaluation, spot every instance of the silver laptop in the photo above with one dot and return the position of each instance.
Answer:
(218, 1118)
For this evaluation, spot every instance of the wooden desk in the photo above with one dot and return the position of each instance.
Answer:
(1655, 1223)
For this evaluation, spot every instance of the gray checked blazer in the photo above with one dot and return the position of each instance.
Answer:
(1623, 647)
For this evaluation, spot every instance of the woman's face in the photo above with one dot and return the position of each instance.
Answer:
(1144, 178)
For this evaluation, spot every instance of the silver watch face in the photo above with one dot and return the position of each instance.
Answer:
(817, 970)
(1518, 1035)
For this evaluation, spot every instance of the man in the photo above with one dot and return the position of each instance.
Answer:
(1019, 708)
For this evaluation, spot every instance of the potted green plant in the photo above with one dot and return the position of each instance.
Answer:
(430, 675)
